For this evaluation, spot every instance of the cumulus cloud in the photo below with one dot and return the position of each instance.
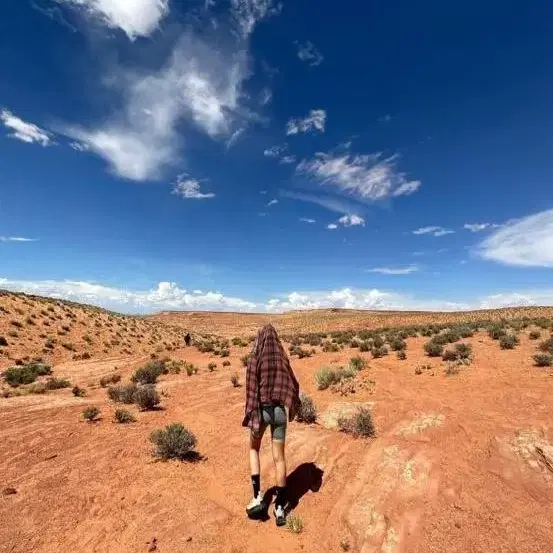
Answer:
(433, 230)
(314, 121)
(166, 295)
(352, 221)
(199, 83)
(308, 52)
(247, 13)
(332, 226)
(16, 239)
(189, 189)
(526, 242)
(26, 132)
(366, 176)
(136, 18)
(394, 270)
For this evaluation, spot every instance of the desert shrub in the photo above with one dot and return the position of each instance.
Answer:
(547, 346)
(452, 368)
(357, 363)
(397, 344)
(534, 335)
(401, 355)
(174, 367)
(17, 324)
(245, 359)
(465, 331)
(235, 380)
(508, 341)
(212, 366)
(57, 383)
(123, 394)
(427, 331)
(174, 442)
(360, 424)
(495, 332)
(451, 336)
(146, 397)
(295, 524)
(449, 355)
(3, 341)
(226, 363)
(112, 379)
(26, 374)
(543, 359)
(378, 342)
(37, 388)
(78, 391)
(329, 347)
(463, 351)
(433, 348)
(149, 373)
(314, 340)
(224, 352)
(325, 377)
(122, 416)
(364, 347)
(190, 369)
(378, 352)
(87, 339)
(307, 411)
(13, 334)
(91, 414)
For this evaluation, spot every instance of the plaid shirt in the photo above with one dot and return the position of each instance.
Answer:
(269, 379)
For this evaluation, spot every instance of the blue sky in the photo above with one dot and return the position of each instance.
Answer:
(255, 155)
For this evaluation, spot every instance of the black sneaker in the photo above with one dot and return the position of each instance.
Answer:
(256, 507)
(280, 516)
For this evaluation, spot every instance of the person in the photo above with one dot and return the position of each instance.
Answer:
(271, 389)
(187, 339)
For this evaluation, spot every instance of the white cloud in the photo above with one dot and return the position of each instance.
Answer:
(316, 120)
(235, 137)
(275, 151)
(365, 176)
(272, 202)
(517, 299)
(26, 132)
(332, 226)
(199, 83)
(266, 96)
(248, 13)
(476, 227)
(79, 147)
(352, 221)
(189, 188)
(338, 205)
(166, 295)
(394, 270)
(433, 230)
(287, 160)
(307, 220)
(135, 18)
(308, 52)
(16, 239)
(527, 242)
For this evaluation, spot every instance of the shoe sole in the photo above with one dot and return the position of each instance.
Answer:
(256, 512)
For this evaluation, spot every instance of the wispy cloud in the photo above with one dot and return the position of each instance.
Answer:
(26, 132)
(248, 13)
(394, 270)
(79, 146)
(308, 52)
(189, 189)
(433, 230)
(16, 239)
(526, 242)
(55, 14)
(136, 18)
(307, 220)
(332, 226)
(199, 83)
(272, 202)
(338, 205)
(275, 151)
(478, 227)
(314, 121)
(286, 160)
(352, 221)
(365, 176)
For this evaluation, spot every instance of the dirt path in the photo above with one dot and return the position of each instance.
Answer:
(456, 465)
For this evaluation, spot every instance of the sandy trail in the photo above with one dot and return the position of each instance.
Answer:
(455, 465)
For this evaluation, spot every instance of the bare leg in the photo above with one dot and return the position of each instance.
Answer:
(280, 462)
(255, 445)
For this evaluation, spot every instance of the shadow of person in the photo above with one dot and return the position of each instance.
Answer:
(307, 477)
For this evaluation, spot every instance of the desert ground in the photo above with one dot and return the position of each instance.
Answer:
(461, 459)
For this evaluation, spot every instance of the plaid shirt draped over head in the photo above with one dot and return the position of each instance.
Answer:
(269, 379)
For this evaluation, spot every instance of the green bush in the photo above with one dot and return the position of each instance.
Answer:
(378, 352)
(364, 347)
(433, 348)
(245, 359)
(495, 332)
(360, 424)
(325, 377)
(212, 367)
(547, 346)
(329, 347)
(112, 379)
(543, 359)
(397, 344)
(122, 394)
(174, 442)
(91, 414)
(123, 416)
(26, 374)
(534, 335)
(378, 342)
(235, 380)
(146, 397)
(357, 363)
(463, 351)
(307, 411)
(465, 332)
(78, 391)
(150, 373)
(190, 369)
(402, 355)
(57, 383)
(508, 341)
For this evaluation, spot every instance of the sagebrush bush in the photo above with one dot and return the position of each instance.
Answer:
(149, 373)
(495, 332)
(91, 414)
(534, 335)
(378, 352)
(112, 379)
(307, 411)
(174, 442)
(360, 424)
(547, 346)
(325, 377)
(433, 348)
(122, 394)
(146, 397)
(358, 363)
(364, 347)
(123, 416)
(77, 391)
(463, 351)
(378, 342)
(330, 347)
(402, 355)
(57, 383)
(26, 374)
(190, 369)
(212, 367)
(543, 359)
(508, 341)
(397, 344)
(235, 380)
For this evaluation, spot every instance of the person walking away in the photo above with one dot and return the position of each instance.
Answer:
(271, 389)
(187, 339)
